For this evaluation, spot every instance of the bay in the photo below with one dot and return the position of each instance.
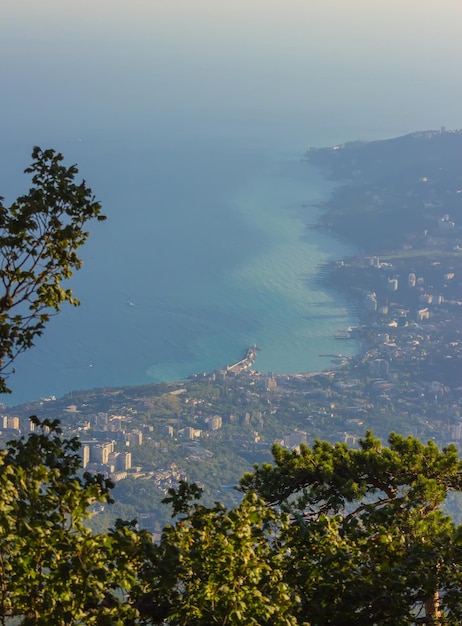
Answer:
(205, 252)
(189, 120)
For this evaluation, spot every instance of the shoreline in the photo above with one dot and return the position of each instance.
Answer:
(317, 208)
(331, 213)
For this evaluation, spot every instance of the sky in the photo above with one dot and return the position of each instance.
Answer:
(228, 57)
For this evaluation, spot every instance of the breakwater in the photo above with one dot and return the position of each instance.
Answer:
(245, 363)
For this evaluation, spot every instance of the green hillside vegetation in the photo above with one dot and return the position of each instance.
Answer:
(419, 173)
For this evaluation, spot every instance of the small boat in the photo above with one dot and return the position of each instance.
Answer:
(344, 334)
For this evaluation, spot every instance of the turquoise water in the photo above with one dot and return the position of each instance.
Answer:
(182, 278)
(188, 120)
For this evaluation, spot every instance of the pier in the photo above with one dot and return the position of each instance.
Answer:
(246, 362)
(235, 368)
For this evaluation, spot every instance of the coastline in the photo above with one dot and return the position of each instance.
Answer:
(255, 267)
(332, 213)
(404, 378)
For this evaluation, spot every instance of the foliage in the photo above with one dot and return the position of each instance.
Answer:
(369, 542)
(39, 236)
(219, 566)
(341, 536)
(54, 570)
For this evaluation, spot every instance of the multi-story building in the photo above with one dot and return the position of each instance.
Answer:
(85, 454)
(134, 438)
(100, 452)
(215, 422)
(379, 368)
(295, 438)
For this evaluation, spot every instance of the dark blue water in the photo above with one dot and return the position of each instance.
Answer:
(189, 123)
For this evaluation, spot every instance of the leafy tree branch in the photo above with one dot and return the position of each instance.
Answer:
(40, 234)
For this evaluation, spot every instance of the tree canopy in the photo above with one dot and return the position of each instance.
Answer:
(219, 566)
(53, 569)
(40, 234)
(325, 535)
(369, 540)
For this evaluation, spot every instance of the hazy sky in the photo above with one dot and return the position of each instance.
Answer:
(396, 58)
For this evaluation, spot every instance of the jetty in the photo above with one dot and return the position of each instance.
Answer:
(245, 363)
(234, 369)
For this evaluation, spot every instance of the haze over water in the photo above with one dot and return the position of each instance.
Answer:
(188, 120)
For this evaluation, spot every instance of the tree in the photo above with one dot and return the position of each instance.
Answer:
(217, 566)
(53, 569)
(39, 237)
(342, 536)
(328, 535)
(369, 543)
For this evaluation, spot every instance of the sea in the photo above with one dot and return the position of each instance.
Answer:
(189, 120)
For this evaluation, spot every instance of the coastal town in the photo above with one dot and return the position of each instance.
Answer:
(406, 286)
